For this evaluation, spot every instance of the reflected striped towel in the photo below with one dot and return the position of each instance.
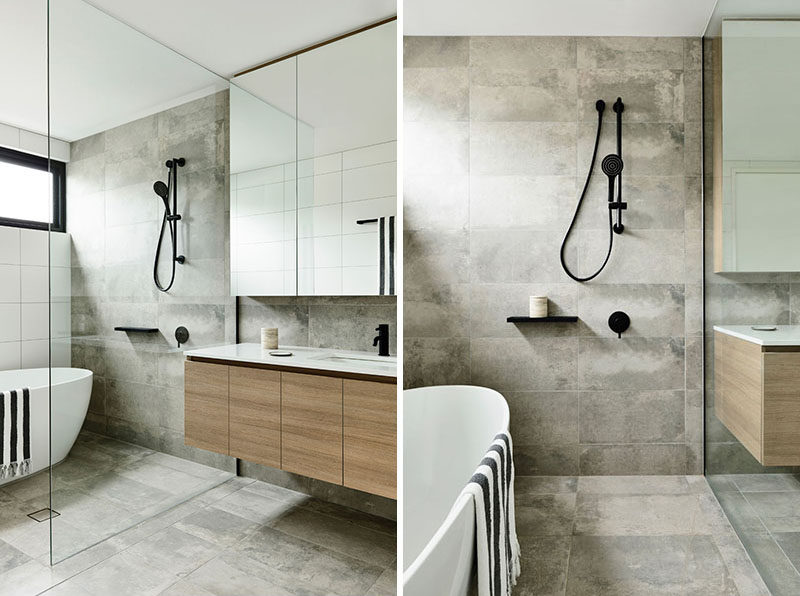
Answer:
(386, 255)
(492, 488)
(15, 433)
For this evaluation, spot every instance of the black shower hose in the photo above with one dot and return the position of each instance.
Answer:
(578, 209)
(173, 233)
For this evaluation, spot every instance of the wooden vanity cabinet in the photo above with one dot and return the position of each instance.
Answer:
(370, 437)
(340, 430)
(205, 405)
(311, 426)
(255, 415)
(757, 397)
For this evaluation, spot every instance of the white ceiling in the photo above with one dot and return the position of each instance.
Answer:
(664, 18)
(104, 73)
(228, 37)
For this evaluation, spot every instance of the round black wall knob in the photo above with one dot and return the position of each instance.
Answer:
(619, 322)
(181, 335)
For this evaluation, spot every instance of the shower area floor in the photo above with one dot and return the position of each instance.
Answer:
(103, 487)
(632, 535)
(765, 510)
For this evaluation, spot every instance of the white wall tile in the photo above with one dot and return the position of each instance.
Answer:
(9, 355)
(370, 182)
(328, 282)
(9, 245)
(324, 164)
(35, 353)
(373, 208)
(259, 177)
(33, 247)
(360, 281)
(260, 283)
(328, 251)
(267, 198)
(59, 319)
(9, 136)
(325, 189)
(319, 221)
(35, 321)
(360, 249)
(257, 228)
(61, 352)
(261, 256)
(9, 322)
(60, 246)
(60, 284)
(367, 156)
(9, 283)
(35, 284)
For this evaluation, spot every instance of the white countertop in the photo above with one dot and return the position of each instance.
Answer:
(344, 361)
(784, 335)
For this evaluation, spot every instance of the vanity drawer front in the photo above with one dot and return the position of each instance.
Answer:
(781, 409)
(370, 437)
(206, 406)
(255, 415)
(311, 426)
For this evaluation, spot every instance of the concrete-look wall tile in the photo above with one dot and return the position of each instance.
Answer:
(646, 257)
(205, 322)
(170, 369)
(693, 198)
(200, 146)
(350, 327)
(693, 102)
(693, 53)
(491, 304)
(613, 460)
(498, 94)
(132, 204)
(694, 363)
(86, 176)
(649, 149)
(615, 417)
(291, 321)
(749, 303)
(544, 418)
(648, 95)
(437, 311)
(522, 53)
(546, 460)
(437, 202)
(433, 258)
(435, 94)
(655, 310)
(531, 202)
(637, 363)
(133, 134)
(435, 51)
(517, 364)
(87, 147)
(193, 114)
(516, 256)
(644, 53)
(694, 309)
(435, 361)
(522, 148)
(127, 363)
(654, 202)
(436, 148)
(132, 164)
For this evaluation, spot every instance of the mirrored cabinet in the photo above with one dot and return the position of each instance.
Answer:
(314, 171)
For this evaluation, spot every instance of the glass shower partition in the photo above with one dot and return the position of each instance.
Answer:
(122, 105)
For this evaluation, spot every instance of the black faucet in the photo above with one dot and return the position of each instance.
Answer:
(382, 340)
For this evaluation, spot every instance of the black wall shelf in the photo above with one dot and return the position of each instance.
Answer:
(137, 329)
(554, 319)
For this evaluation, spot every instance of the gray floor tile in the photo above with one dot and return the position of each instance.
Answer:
(642, 515)
(339, 535)
(766, 482)
(779, 511)
(544, 566)
(386, 584)
(353, 516)
(633, 485)
(309, 563)
(186, 588)
(538, 485)
(238, 575)
(217, 526)
(175, 551)
(10, 557)
(125, 574)
(253, 506)
(778, 573)
(545, 515)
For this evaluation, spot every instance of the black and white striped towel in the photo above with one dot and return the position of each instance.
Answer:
(15, 433)
(492, 488)
(386, 255)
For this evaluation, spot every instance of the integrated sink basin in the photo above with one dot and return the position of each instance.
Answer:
(392, 360)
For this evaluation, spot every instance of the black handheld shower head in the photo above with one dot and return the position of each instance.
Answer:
(612, 165)
(162, 190)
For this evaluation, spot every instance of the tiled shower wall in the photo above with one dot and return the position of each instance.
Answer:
(26, 291)
(114, 218)
(735, 299)
(498, 138)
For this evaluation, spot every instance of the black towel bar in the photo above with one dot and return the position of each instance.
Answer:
(137, 329)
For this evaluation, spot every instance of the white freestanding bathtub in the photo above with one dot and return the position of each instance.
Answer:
(446, 432)
(72, 388)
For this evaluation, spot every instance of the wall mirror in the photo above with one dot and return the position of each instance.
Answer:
(757, 196)
(314, 171)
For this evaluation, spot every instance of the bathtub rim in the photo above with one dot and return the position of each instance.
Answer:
(463, 500)
(84, 373)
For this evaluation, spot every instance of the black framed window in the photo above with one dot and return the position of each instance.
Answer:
(33, 191)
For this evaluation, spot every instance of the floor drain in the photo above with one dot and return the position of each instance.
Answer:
(43, 514)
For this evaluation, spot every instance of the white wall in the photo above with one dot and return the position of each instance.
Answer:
(24, 289)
